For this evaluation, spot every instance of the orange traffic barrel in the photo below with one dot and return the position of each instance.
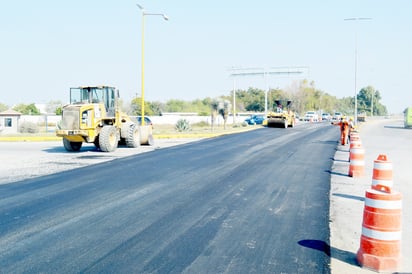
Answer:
(382, 174)
(357, 161)
(380, 242)
(354, 134)
(354, 139)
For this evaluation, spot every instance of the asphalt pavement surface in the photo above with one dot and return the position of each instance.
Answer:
(254, 202)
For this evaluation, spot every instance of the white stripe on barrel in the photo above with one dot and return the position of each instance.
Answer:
(383, 204)
(382, 235)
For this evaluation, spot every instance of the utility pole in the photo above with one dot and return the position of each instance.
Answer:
(356, 19)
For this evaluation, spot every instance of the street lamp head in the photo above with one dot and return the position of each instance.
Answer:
(145, 13)
(357, 18)
(140, 7)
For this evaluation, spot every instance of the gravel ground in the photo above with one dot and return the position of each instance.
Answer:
(23, 160)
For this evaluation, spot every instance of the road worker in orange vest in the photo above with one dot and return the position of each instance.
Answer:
(344, 129)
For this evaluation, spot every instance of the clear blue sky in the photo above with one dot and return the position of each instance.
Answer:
(49, 46)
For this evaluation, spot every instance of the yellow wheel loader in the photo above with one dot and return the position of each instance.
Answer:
(93, 116)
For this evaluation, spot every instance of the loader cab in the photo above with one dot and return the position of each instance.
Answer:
(94, 95)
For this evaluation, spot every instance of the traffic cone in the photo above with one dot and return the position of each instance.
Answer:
(380, 242)
(382, 174)
(357, 161)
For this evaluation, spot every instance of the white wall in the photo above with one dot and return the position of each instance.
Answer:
(40, 119)
(166, 119)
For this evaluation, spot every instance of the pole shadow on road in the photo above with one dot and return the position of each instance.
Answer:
(338, 254)
(362, 199)
(342, 150)
(337, 173)
(339, 160)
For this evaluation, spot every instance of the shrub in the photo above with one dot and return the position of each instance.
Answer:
(182, 125)
(29, 127)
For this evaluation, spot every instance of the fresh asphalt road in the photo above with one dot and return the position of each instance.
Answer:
(254, 202)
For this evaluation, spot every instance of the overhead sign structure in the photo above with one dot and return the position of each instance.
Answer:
(242, 72)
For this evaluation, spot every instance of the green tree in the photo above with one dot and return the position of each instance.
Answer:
(27, 109)
(54, 107)
(328, 103)
(175, 105)
(156, 108)
(378, 107)
(307, 97)
(59, 110)
(136, 107)
(202, 107)
(364, 98)
(253, 99)
(3, 107)
(369, 101)
(346, 105)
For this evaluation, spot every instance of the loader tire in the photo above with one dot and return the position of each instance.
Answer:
(133, 136)
(71, 146)
(108, 139)
(96, 142)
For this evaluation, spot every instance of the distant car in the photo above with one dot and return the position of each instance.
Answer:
(255, 120)
(326, 117)
(147, 121)
(337, 116)
(311, 116)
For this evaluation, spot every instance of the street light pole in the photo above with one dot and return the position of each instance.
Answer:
(356, 19)
(143, 15)
(234, 101)
(266, 93)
